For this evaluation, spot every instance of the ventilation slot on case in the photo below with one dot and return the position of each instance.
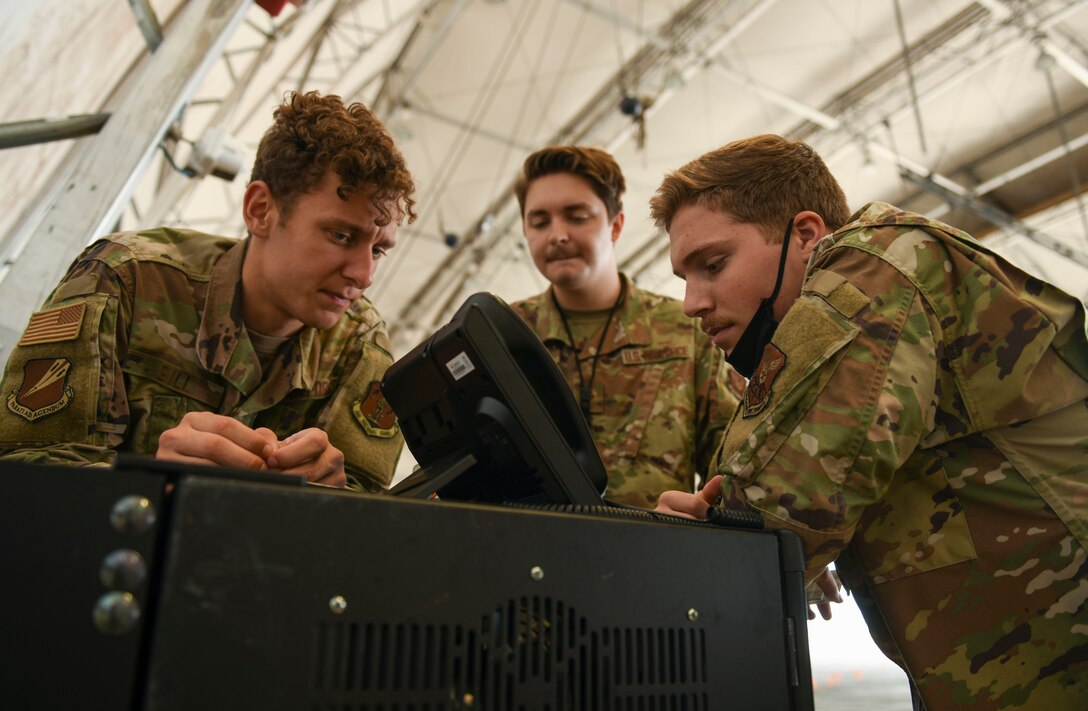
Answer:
(530, 654)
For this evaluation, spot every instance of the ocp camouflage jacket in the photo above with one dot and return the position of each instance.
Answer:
(921, 415)
(148, 326)
(661, 394)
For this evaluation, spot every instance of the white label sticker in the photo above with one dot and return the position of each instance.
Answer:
(460, 366)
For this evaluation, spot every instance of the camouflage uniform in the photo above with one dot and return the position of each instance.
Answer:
(660, 396)
(921, 415)
(148, 326)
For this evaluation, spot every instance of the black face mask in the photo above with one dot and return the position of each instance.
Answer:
(749, 349)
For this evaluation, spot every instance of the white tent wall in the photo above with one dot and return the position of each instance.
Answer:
(60, 58)
(471, 86)
(975, 112)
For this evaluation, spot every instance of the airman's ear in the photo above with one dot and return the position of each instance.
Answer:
(259, 209)
(617, 226)
(810, 229)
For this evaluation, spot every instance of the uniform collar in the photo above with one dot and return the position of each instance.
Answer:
(628, 328)
(223, 344)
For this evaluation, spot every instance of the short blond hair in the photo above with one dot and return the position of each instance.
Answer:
(763, 180)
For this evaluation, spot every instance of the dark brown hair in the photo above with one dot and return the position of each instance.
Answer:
(763, 180)
(593, 165)
(312, 134)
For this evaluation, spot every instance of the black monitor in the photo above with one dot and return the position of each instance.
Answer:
(489, 417)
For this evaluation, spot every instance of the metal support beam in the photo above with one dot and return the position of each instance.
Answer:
(282, 51)
(27, 133)
(691, 35)
(1020, 170)
(906, 166)
(93, 197)
(991, 214)
(174, 185)
(148, 22)
(395, 89)
(650, 252)
(456, 123)
(268, 71)
(968, 44)
(1035, 33)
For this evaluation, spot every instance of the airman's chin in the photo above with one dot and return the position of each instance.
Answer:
(566, 277)
(324, 320)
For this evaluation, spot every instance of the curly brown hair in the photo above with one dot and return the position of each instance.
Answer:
(593, 165)
(312, 134)
(763, 180)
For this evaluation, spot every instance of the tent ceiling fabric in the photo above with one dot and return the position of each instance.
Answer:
(975, 112)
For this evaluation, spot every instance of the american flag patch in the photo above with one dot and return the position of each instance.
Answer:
(60, 324)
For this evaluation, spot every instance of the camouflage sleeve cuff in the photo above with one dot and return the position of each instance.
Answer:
(360, 482)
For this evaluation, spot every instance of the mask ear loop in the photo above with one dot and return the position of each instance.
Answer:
(781, 263)
(745, 355)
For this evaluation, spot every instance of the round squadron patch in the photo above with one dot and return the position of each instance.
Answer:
(44, 389)
(374, 414)
(758, 392)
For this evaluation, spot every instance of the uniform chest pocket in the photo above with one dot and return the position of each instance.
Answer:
(651, 379)
(290, 416)
(160, 393)
(164, 412)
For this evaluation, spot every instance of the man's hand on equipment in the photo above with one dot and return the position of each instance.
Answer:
(308, 452)
(679, 503)
(216, 440)
(827, 584)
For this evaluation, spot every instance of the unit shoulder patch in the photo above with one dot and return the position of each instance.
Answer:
(758, 392)
(44, 390)
(374, 413)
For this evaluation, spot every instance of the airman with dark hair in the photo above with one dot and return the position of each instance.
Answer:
(651, 384)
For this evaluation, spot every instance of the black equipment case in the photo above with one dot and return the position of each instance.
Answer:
(260, 593)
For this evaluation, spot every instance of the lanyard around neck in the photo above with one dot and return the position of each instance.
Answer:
(585, 389)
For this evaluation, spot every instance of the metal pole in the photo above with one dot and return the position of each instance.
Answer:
(27, 133)
(93, 197)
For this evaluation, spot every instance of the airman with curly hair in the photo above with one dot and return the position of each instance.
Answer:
(312, 135)
(259, 354)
